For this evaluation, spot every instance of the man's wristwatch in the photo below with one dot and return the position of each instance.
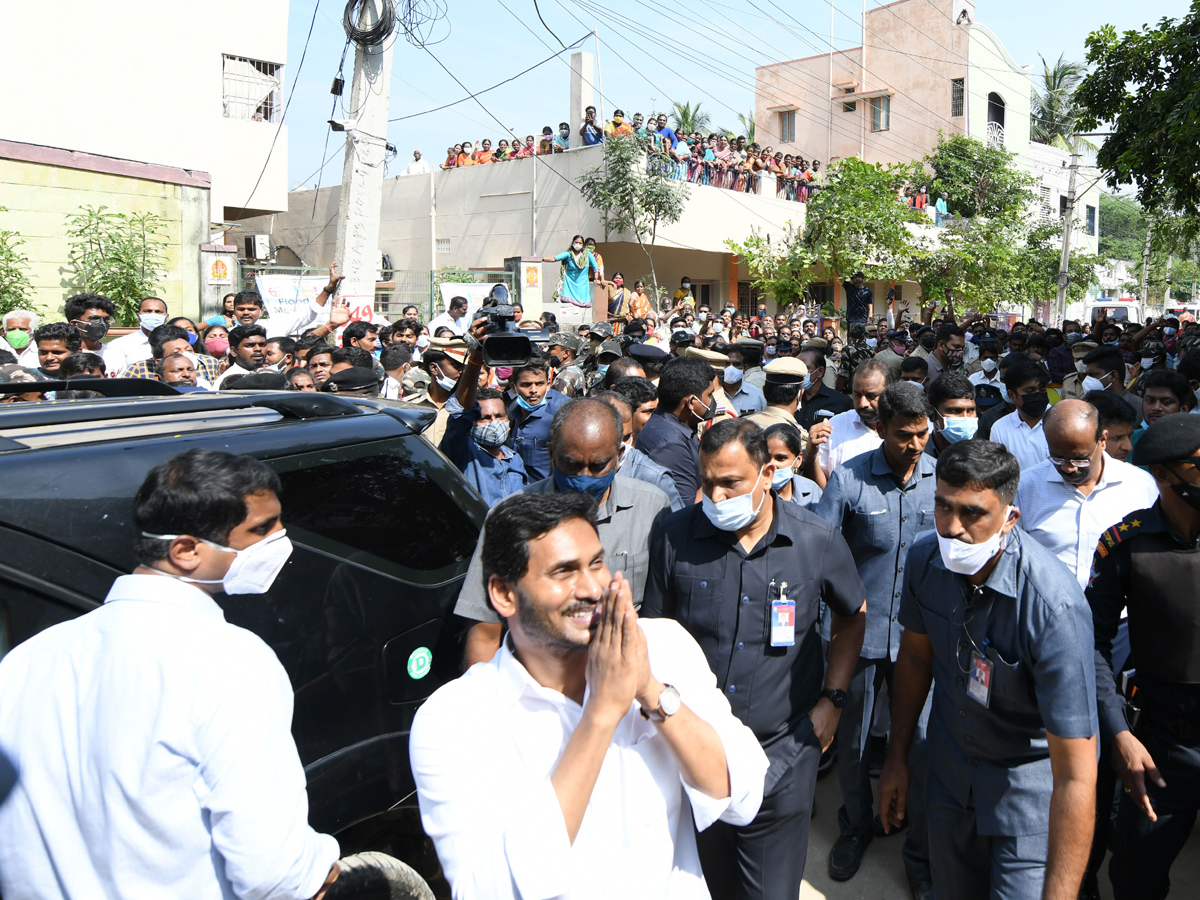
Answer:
(668, 703)
(836, 696)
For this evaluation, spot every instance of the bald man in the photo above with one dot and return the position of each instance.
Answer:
(1069, 500)
(585, 452)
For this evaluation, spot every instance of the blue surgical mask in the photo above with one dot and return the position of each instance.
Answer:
(150, 321)
(527, 406)
(601, 369)
(960, 428)
(781, 477)
(732, 513)
(596, 485)
(806, 383)
(192, 338)
(449, 385)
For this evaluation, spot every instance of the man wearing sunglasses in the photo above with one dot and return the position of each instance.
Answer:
(1150, 563)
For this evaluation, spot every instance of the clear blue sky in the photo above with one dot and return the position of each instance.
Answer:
(486, 41)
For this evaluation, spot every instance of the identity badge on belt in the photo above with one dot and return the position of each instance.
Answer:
(979, 688)
(783, 619)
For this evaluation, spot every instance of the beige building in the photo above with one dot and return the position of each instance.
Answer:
(924, 67)
(196, 87)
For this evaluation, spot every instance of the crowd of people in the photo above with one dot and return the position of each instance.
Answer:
(727, 550)
(713, 158)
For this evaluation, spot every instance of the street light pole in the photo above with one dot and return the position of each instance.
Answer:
(366, 150)
(1060, 302)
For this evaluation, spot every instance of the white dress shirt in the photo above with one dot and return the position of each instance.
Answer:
(301, 318)
(156, 758)
(981, 377)
(417, 167)
(120, 353)
(1027, 444)
(1068, 524)
(447, 321)
(483, 749)
(849, 438)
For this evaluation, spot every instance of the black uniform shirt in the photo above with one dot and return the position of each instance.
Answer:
(701, 576)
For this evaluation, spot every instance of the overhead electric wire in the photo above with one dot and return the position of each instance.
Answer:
(470, 96)
(544, 25)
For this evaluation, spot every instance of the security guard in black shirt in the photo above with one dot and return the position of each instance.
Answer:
(1150, 563)
(744, 572)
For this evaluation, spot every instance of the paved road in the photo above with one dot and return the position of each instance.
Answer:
(882, 874)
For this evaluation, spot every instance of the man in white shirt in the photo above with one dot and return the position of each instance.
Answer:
(418, 166)
(248, 309)
(1021, 430)
(396, 360)
(153, 738)
(582, 758)
(122, 352)
(852, 432)
(1069, 500)
(453, 318)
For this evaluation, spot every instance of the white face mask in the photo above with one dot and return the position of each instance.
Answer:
(422, 342)
(732, 513)
(989, 365)
(253, 570)
(1147, 362)
(1080, 367)
(1092, 384)
(732, 374)
(967, 559)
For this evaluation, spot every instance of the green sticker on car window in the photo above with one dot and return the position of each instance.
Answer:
(419, 663)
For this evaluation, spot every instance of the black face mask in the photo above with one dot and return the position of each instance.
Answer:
(1188, 493)
(1034, 405)
(95, 331)
(556, 362)
(929, 341)
(710, 410)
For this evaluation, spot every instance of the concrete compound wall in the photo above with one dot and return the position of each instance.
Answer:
(40, 197)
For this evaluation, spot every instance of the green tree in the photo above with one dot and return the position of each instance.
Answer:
(634, 194)
(1146, 84)
(687, 118)
(747, 123)
(1037, 262)
(1124, 233)
(971, 264)
(15, 287)
(1052, 111)
(119, 255)
(855, 225)
(979, 180)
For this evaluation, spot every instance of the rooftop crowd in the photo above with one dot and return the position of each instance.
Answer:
(713, 158)
(727, 550)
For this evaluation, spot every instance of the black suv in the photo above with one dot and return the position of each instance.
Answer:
(361, 616)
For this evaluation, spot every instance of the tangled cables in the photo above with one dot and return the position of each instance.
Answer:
(375, 34)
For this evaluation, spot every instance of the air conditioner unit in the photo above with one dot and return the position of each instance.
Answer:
(258, 246)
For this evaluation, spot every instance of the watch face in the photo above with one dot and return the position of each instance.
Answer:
(668, 701)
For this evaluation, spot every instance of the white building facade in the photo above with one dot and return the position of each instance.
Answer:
(198, 87)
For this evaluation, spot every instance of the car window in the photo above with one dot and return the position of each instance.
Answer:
(390, 505)
(25, 612)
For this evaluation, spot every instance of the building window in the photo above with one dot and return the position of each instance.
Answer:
(1091, 220)
(881, 113)
(1062, 206)
(748, 296)
(443, 246)
(849, 107)
(787, 127)
(252, 89)
(957, 92)
(1044, 192)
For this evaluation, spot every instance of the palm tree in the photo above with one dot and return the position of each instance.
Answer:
(747, 123)
(688, 118)
(1052, 110)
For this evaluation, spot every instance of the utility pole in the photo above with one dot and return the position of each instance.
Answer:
(366, 150)
(1064, 277)
(1145, 269)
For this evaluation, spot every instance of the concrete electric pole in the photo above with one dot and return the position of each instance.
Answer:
(366, 150)
(1064, 277)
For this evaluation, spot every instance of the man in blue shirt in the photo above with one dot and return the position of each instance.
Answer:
(1003, 629)
(685, 399)
(880, 501)
(474, 441)
(665, 131)
(530, 416)
(591, 133)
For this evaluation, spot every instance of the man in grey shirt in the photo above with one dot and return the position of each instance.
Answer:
(585, 445)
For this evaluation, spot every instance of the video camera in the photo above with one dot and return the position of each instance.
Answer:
(504, 343)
